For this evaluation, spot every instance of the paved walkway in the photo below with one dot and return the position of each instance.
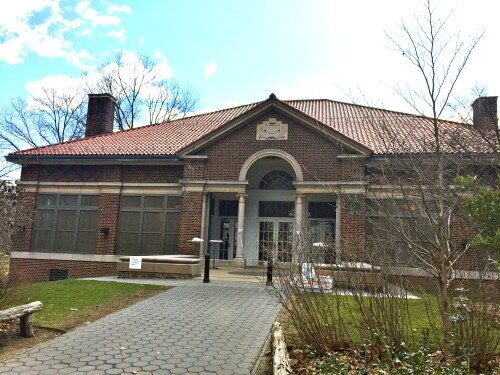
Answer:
(194, 328)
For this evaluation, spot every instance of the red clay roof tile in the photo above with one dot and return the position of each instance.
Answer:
(381, 130)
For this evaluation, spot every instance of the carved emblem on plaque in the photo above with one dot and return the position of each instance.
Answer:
(272, 129)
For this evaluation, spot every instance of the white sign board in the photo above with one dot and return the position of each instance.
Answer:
(135, 263)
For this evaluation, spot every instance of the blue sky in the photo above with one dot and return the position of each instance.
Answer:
(235, 52)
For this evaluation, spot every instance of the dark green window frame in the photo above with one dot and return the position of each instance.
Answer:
(385, 219)
(66, 223)
(149, 224)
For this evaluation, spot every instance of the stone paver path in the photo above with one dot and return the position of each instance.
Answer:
(194, 328)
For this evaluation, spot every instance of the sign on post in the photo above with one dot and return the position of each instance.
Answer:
(135, 263)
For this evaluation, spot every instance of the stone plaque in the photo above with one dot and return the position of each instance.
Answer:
(272, 129)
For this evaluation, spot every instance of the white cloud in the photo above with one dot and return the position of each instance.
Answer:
(58, 82)
(42, 26)
(162, 69)
(119, 9)
(130, 63)
(210, 69)
(46, 38)
(85, 10)
(118, 34)
(85, 32)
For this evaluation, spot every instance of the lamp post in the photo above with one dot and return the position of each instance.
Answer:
(206, 274)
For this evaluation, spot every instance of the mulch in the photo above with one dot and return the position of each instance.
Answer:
(11, 343)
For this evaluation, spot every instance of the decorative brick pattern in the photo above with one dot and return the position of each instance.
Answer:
(190, 222)
(315, 153)
(152, 173)
(105, 173)
(194, 170)
(109, 211)
(32, 270)
(352, 227)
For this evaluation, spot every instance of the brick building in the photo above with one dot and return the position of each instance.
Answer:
(252, 176)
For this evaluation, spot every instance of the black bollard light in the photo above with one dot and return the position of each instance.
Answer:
(206, 276)
(269, 281)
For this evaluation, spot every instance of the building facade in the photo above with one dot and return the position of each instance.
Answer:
(253, 176)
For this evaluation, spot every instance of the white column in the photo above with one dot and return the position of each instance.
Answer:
(203, 229)
(299, 212)
(299, 228)
(241, 225)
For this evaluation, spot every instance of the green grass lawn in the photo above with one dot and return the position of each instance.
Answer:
(421, 315)
(70, 303)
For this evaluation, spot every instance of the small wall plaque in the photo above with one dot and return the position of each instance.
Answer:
(135, 263)
(272, 129)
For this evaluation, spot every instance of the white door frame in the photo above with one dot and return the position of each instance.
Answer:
(232, 233)
(275, 221)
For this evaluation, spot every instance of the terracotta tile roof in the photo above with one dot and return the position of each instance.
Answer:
(381, 130)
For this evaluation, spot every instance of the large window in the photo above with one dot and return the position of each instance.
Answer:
(149, 225)
(66, 223)
(322, 216)
(392, 224)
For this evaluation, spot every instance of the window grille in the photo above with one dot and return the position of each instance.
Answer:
(66, 223)
(276, 180)
(149, 225)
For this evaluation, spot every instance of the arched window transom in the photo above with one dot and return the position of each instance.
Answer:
(276, 180)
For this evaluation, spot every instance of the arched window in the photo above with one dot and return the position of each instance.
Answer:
(276, 180)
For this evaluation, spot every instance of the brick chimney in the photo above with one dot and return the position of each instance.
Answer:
(100, 114)
(484, 113)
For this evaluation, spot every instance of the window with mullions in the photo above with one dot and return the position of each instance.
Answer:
(322, 216)
(66, 223)
(276, 209)
(149, 225)
(276, 180)
(390, 222)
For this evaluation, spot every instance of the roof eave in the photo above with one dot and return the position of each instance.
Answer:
(23, 159)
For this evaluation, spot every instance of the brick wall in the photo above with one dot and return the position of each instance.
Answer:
(194, 170)
(190, 222)
(315, 153)
(152, 173)
(34, 270)
(109, 211)
(106, 173)
(352, 227)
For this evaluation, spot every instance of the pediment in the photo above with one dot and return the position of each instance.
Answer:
(273, 125)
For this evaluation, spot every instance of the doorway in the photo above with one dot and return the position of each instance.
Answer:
(276, 238)
(227, 232)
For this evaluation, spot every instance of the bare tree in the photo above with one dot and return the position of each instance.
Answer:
(421, 209)
(461, 107)
(52, 117)
(141, 92)
(10, 219)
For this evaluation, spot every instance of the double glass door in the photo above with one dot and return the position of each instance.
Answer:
(276, 238)
(227, 231)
